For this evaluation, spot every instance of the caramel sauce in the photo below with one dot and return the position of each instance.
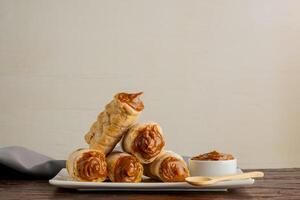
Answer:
(91, 166)
(173, 170)
(127, 169)
(214, 155)
(132, 100)
(149, 142)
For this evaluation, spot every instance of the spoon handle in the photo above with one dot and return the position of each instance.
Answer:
(240, 176)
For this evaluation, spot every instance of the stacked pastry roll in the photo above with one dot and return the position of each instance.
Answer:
(167, 167)
(123, 167)
(87, 165)
(143, 145)
(121, 113)
(145, 141)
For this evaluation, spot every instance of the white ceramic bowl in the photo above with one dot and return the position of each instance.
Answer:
(212, 167)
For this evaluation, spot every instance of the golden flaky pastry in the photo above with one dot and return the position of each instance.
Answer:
(167, 167)
(121, 113)
(87, 165)
(123, 167)
(145, 141)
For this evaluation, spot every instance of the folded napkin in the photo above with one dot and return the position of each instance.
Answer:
(28, 162)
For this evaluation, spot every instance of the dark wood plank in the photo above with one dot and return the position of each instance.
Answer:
(277, 184)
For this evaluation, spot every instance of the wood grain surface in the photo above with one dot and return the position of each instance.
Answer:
(277, 184)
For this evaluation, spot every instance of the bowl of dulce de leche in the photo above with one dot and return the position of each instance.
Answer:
(213, 164)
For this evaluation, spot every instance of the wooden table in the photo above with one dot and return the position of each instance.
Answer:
(277, 184)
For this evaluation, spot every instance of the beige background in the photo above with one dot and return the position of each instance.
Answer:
(219, 75)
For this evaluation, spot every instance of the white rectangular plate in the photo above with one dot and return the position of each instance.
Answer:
(63, 180)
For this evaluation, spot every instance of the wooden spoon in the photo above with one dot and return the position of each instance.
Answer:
(204, 180)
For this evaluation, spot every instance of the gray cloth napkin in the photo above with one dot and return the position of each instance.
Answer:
(30, 163)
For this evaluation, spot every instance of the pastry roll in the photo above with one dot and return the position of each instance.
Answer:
(145, 141)
(123, 167)
(167, 167)
(121, 113)
(87, 165)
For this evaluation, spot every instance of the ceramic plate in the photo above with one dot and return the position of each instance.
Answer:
(63, 180)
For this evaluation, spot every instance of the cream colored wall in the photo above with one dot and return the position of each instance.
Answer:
(219, 75)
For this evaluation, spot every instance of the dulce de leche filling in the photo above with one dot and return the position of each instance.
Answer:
(127, 169)
(92, 166)
(149, 142)
(214, 155)
(132, 100)
(173, 170)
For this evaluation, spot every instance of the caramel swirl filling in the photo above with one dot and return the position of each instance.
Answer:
(92, 166)
(214, 155)
(149, 142)
(128, 169)
(132, 100)
(173, 170)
